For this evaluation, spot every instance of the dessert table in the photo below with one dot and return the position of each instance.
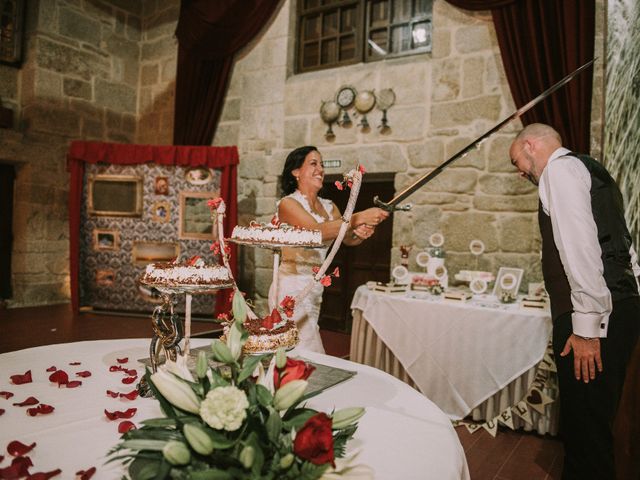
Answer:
(402, 435)
(470, 358)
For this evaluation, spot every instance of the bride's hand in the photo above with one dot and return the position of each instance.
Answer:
(363, 231)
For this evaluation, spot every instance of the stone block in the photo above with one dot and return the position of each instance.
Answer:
(69, 61)
(297, 100)
(263, 280)
(426, 155)
(295, 132)
(455, 180)
(426, 221)
(159, 49)
(530, 263)
(8, 83)
(472, 77)
(51, 118)
(231, 109)
(149, 74)
(498, 155)
(474, 158)
(162, 24)
(460, 228)
(168, 70)
(506, 203)
(120, 19)
(113, 120)
(445, 14)
(505, 184)
(263, 258)
(264, 87)
(48, 85)
(74, 25)
(446, 79)
(517, 232)
(92, 129)
(405, 124)
(343, 135)
(441, 43)
(226, 134)
(116, 96)
(451, 114)
(128, 6)
(76, 88)
(375, 158)
(252, 165)
(472, 38)
(410, 83)
(275, 53)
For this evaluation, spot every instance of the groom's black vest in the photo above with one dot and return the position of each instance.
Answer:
(613, 236)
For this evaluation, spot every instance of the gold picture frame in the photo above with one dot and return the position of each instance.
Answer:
(114, 195)
(11, 31)
(195, 216)
(144, 252)
(106, 239)
(161, 211)
(105, 278)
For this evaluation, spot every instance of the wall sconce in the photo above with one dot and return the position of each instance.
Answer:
(348, 97)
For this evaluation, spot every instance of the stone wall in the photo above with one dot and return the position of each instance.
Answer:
(443, 101)
(91, 71)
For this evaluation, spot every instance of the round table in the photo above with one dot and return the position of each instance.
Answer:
(402, 435)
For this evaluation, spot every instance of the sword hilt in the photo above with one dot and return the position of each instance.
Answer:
(390, 207)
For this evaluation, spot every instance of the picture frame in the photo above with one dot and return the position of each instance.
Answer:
(508, 281)
(198, 175)
(161, 186)
(144, 252)
(114, 195)
(106, 240)
(537, 289)
(105, 278)
(195, 216)
(161, 211)
(11, 31)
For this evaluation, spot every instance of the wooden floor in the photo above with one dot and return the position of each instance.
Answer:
(508, 456)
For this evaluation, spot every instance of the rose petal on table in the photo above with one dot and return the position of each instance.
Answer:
(73, 384)
(85, 474)
(75, 363)
(28, 402)
(112, 394)
(122, 360)
(125, 426)
(115, 368)
(128, 413)
(44, 475)
(19, 468)
(60, 377)
(21, 379)
(128, 380)
(83, 374)
(132, 395)
(6, 395)
(1, 458)
(41, 409)
(132, 372)
(2, 411)
(18, 449)
(52, 368)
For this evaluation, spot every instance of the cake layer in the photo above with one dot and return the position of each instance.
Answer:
(277, 235)
(262, 340)
(185, 274)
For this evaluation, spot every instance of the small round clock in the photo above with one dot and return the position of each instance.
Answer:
(346, 96)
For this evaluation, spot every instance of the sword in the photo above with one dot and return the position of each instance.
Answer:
(393, 203)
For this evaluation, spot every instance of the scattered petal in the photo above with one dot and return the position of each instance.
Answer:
(1, 458)
(112, 394)
(132, 372)
(115, 368)
(85, 474)
(129, 380)
(28, 402)
(75, 363)
(19, 468)
(122, 360)
(73, 384)
(2, 411)
(6, 395)
(21, 379)
(132, 395)
(125, 426)
(128, 413)
(18, 449)
(44, 475)
(52, 368)
(60, 377)
(83, 374)
(41, 409)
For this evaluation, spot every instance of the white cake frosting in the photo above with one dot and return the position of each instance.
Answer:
(282, 234)
(185, 274)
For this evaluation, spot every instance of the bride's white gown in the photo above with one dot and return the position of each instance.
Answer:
(296, 272)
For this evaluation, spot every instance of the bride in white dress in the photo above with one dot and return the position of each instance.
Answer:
(301, 181)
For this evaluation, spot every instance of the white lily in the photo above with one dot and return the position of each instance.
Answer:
(179, 368)
(176, 391)
(266, 379)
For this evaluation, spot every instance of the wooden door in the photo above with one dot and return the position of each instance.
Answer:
(368, 261)
(7, 175)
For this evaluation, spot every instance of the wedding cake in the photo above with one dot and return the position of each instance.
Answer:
(277, 234)
(189, 273)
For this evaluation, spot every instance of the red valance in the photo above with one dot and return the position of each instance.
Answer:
(224, 159)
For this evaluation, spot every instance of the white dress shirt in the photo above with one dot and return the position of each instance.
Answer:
(564, 190)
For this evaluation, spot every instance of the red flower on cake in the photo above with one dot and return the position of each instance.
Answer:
(314, 441)
(270, 320)
(293, 370)
(288, 304)
(276, 221)
(192, 261)
(223, 318)
(214, 203)
(215, 248)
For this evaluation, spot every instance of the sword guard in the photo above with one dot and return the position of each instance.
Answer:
(391, 208)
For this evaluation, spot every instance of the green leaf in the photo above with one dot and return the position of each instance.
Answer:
(211, 474)
(309, 471)
(264, 396)
(249, 365)
(160, 422)
(147, 433)
(239, 306)
(144, 469)
(274, 425)
(219, 440)
(297, 418)
(258, 460)
(139, 444)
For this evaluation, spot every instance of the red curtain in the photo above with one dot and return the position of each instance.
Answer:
(542, 41)
(209, 34)
(224, 159)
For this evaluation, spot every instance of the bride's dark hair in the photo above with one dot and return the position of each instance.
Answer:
(294, 160)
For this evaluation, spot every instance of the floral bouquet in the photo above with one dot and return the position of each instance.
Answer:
(238, 421)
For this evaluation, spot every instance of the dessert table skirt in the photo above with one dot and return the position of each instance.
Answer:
(402, 435)
(470, 361)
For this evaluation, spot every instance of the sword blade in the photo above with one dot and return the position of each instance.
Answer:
(393, 203)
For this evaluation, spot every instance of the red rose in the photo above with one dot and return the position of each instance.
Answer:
(288, 304)
(293, 370)
(270, 320)
(314, 441)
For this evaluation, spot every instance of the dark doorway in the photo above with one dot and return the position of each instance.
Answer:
(358, 265)
(7, 177)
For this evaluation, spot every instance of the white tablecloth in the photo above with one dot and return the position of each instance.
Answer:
(403, 434)
(458, 354)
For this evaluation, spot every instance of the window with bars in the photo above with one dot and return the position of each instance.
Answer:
(342, 32)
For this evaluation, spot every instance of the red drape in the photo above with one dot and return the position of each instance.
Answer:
(541, 41)
(209, 34)
(224, 159)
